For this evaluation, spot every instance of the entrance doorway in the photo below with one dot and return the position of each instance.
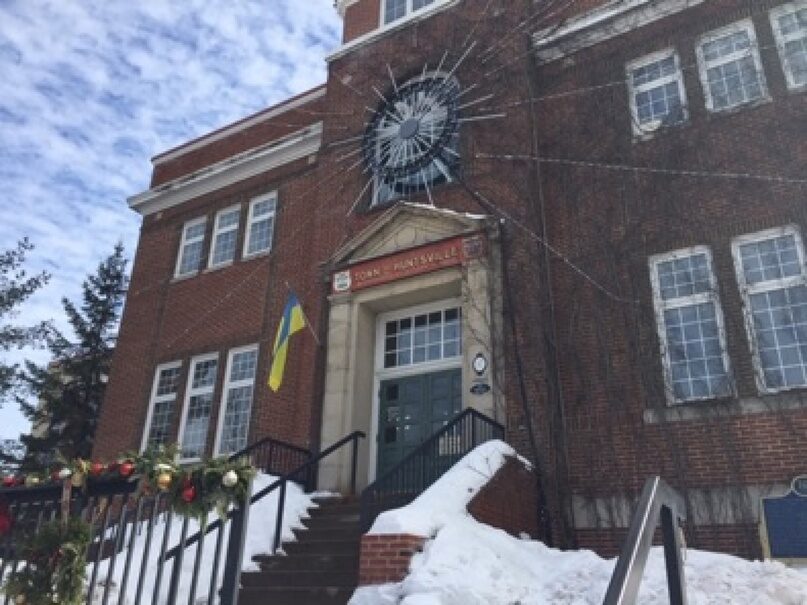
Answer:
(412, 409)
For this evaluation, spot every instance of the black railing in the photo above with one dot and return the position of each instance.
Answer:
(657, 502)
(307, 469)
(118, 515)
(278, 458)
(427, 463)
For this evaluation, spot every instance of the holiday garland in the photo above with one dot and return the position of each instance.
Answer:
(56, 555)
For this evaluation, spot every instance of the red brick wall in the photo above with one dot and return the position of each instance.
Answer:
(385, 558)
(361, 18)
(509, 500)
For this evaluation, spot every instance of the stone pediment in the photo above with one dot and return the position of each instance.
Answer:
(407, 226)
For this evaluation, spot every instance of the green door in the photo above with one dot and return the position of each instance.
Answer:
(412, 409)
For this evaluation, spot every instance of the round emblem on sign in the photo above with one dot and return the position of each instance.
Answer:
(799, 486)
(409, 143)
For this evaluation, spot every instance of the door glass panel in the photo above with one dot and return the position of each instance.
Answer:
(421, 338)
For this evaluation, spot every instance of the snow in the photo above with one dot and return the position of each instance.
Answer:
(260, 535)
(468, 563)
(449, 496)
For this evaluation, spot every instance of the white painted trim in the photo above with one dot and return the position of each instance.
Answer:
(217, 230)
(745, 25)
(233, 170)
(251, 219)
(343, 5)
(153, 399)
(746, 290)
(202, 220)
(190, 392)
(228, 384)
(601, 24)
(678, 77)
(781, 40)
(418, 15)
(380, 373)
(239, 126)
(660, 305)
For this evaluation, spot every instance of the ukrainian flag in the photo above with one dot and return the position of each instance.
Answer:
(293, 321)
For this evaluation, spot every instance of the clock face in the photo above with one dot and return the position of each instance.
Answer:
(410, 143)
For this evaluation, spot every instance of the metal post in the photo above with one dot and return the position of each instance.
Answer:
(235, 551)
(672, 557)
(354, 463)
(281, 503)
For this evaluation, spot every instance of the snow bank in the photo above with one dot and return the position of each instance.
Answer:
(449, 496)
(260, 534)
(469, 563)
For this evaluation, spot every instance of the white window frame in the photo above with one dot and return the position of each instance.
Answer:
(190, 392)
(660, 305)
(747, 290)
(154, 399)
(746, 25)
(633, 90)
(252, 219)
(184, 241)
(229, 384)
(410, 12)
(217, 230)
(781, 40)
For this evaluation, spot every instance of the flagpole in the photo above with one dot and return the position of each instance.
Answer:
(305, 317)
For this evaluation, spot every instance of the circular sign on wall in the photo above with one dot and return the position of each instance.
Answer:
(799, 486)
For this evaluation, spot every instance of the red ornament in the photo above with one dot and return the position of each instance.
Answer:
(189, 494)
(96, 469)
(126, 469)
(9, 481)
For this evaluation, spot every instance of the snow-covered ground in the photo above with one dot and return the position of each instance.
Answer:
(260, 534)
(468, 563)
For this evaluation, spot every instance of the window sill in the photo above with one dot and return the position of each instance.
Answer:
(254, 255)
(704, 410)
(218, 267)
(186, 277)
(727, 111)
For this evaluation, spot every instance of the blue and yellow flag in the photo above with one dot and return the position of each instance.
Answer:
(293, 321)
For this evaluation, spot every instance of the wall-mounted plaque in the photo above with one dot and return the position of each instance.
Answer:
(784, 523)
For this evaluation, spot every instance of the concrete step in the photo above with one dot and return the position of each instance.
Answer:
(323, 562)
(335, 510)
(322, 547)
(331, 522)
(261, 595)
(301, 578)
(346, 532)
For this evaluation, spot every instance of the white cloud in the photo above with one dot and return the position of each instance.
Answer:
(91, 89)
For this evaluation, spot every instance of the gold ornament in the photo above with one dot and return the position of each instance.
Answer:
(164, 481)
(77, 479)
(20, 599)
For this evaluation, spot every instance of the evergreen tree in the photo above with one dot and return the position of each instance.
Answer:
(15, 287)
(70, 389)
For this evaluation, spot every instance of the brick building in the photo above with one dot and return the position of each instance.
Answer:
(598, 201)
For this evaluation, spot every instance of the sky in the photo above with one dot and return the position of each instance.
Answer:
(90, 90)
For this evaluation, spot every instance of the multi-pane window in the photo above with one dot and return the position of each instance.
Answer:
(398, 9)
(225, 234)
(190, 248)
(657, 94)
(790, 28)
(690, 325)
(730, 67)
(771, 273)
(238, 393)
(421, 338)
(260, 225)
(162, 405)
(198, 406)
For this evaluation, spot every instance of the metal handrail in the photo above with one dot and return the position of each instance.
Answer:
(281, 483)
(261, 442)
(425, 451)
(658, 502)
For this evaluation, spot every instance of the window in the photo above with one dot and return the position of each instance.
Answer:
(398, 9)
(771, 274)
(730, 67)
(789, 23)
(422, 338)
(198, 406)
(260, 225)
(161, 406)
(690, 325)
(225, 234)
(190, 248)
(238, 392)
(657, 96)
